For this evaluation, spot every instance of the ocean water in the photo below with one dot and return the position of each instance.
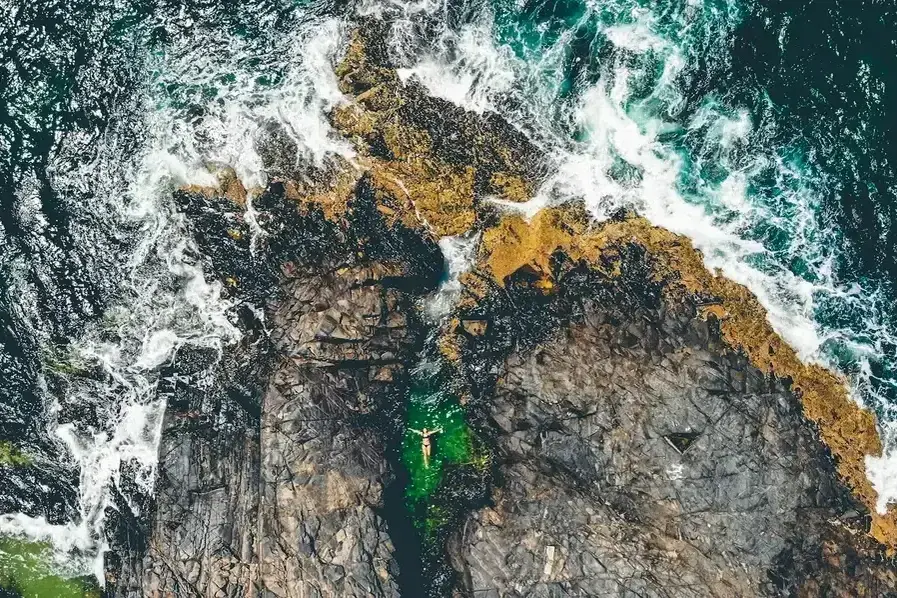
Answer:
(759, 129)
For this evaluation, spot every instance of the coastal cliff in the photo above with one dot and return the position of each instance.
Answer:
(629, 422)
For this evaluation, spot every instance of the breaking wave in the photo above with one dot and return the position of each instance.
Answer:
(622, 97)
(205, 99)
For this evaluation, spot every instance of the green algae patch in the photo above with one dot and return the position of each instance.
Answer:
(25, 572)
(433, 409)
(10, 456)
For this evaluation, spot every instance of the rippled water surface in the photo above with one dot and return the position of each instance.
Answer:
(759, 129)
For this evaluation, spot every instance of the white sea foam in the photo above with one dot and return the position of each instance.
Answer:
(628, 131)
(479, 75)
(882, 473)
(612, 134)
(166, 301)
(458, 252)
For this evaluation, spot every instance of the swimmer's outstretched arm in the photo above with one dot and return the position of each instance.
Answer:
(416, 431)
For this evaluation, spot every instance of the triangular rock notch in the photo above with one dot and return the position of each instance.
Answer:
(681, 441)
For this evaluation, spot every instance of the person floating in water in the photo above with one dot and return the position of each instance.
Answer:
(426, 445)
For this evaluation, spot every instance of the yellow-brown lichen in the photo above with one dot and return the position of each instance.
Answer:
(229, 186)
(331, 192)
(354, 122)
(406, 142)
(516, 243)
(849, 431)
(439, 196)
(356, 73)
(416, 183)
(449, 342)
(510, 187)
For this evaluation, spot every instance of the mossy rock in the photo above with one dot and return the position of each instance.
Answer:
(10, 456)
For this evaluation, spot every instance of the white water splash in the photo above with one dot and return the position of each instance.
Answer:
(479, 75)
(166, 301)
(458, 252)
(623, 158)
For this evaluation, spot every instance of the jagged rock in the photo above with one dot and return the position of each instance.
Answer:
(515, 246)
(285, 503)
(650, 433)
(427, 161)
(596, 501)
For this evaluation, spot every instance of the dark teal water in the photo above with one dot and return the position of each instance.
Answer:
(760, 129)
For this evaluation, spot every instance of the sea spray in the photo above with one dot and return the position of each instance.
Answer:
(109, 421)
(630, 101)
(617, 93)
(459, 253)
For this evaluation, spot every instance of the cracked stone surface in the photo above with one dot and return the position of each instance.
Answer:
(286, 505)
(596, 500)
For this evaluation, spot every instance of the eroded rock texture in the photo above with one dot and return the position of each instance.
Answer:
(286, 504)
(649, 431)
(640, 458)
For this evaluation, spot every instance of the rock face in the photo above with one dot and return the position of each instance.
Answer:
(847, 430)
(322, 465)
(283, 502)
(639, 458)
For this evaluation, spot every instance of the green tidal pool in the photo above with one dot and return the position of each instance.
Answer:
(433, 409)
(24, 572)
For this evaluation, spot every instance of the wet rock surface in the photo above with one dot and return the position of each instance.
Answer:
(284, 501)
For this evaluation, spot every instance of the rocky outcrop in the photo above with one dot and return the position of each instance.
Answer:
(847, 430)
(639, 457)
(322, 463)
(272, 467)
(632, 425)
(429, 164)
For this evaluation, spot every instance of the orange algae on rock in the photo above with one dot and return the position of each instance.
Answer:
(419, 181)
(331, 191)
(411, 184)
(849, 431)
(441, 196)
(449, 343)
(428, 161)
(229, 186)
(511, 187)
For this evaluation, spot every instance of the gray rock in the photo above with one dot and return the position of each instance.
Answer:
(284, 505)
(631, 470)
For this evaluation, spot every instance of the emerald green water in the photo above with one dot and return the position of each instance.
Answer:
(24, 570)
(435, 409)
